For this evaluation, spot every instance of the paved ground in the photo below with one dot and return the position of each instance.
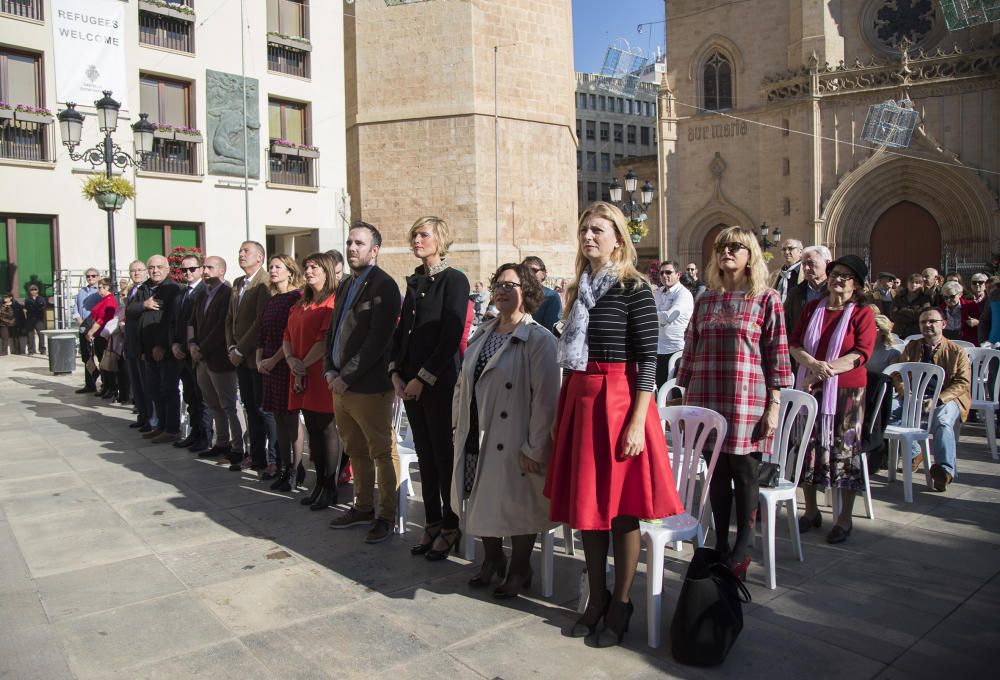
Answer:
(124, 559)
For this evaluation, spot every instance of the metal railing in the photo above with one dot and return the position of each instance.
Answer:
(24, 141)
(281, 59)
(173, 156)
(28, 9)
(66, 283)
(292, 170)
(163, 31)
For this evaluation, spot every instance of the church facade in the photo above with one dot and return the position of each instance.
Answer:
(761, 116)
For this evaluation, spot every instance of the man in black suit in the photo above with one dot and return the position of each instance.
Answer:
(200, 437)
(146, 418)
(356, 367)
(155, 333)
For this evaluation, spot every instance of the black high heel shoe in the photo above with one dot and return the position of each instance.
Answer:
(581, 628)
(431, 532)
(615, 624)
(452, 538)
(314, 496)
(806, 523)
(489, 568)
(281, 483)
(300, 474)
(327, 497)
(513, 585)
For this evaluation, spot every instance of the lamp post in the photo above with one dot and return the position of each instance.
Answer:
(106, 153)
(634, 210)
(764, 241)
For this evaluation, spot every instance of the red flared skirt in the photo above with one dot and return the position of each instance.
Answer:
(589, 482)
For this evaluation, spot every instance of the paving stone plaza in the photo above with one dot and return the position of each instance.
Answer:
(123, 559)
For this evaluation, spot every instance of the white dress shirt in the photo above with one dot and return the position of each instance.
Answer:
(674, 307)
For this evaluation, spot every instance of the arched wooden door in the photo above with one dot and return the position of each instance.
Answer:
(906, 239)
(706, 248)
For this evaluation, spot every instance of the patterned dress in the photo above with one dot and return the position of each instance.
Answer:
(736, 350)
(272, 331)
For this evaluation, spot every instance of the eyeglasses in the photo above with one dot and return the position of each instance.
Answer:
(841, 276)
(732, 247)
(189, 270)
(505, 286)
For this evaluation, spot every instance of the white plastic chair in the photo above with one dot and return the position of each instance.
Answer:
(980, 360)
(916, 379)
(548, 555)
(909, 338)
(407, 458)
(665, 393)
(833, 495)
(691, 427)
(789, 457)
(673, 364)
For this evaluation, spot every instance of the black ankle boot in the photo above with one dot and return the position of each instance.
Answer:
(314, 496)
(281, 483)
(327, 497)
(300, 474)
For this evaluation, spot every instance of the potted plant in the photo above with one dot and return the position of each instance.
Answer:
(637, 229)
(284, 147)
(308, 151)
(186, 134)
(6, 111)
(174, 10)
(109, 193)
(32, 114)
(290, 41)
(163, 131)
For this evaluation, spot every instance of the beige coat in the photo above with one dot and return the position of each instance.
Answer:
(516, 397)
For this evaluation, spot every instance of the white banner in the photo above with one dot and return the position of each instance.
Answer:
(89, 40)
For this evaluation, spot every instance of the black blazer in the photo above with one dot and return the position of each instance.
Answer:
(184, 311)
(210, 329)
(133, 314)
(425, 345)
(156, 325)
(366, 330)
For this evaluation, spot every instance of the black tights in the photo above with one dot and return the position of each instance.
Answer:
(289, 439)
(734, 475)
(324, 447)
(520, 554)
(624, 535)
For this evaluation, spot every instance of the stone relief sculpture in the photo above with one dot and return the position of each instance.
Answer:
(225, 125)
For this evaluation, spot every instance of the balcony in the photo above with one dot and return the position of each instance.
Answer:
(26, 9)
(24, 141)
(292, 61)
(173, 157)
(167, 31)
(294, 171)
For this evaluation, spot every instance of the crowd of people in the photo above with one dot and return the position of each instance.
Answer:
(533, 406)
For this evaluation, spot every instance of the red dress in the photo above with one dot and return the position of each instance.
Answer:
(307, 325)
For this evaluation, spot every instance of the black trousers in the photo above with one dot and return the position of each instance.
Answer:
(430, 422)
(198, 414)
(662, 364)
(325, 449)
(89, 379)
(108, 379)
(138, 383)
(260, 424)
(163, 389)
(734, 476)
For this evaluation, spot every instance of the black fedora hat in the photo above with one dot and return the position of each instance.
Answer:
(852, 262)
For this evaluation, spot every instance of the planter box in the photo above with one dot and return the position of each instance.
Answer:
(165, 11)
(309, 153)
(109, 201)
(635, 237)
(284, 150)
(290, 43)
(30, 117)
(188, 136)
(6, 114)
(163, 134)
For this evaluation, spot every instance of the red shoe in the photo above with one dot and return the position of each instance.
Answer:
(740, 568)
(345, 475)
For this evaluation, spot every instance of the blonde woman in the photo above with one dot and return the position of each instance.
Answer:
(424, 369)
(609, 463)
(736, 362)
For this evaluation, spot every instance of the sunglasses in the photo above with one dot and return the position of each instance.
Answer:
(732, 248)
(841, 276)
(91, 276)
(189, 270)
(667, 272)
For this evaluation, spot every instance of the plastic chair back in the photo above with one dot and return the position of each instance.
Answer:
(980, 360)
(690, 429)
(916, 379)
(964, 344)
(664, 394)
(673, 364)
(883, 388)
(796, 417)
(910, 338)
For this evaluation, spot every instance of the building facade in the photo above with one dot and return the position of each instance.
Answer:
(769, 130)
(183, 68)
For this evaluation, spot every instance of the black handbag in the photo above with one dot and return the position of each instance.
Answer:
(768, 475)
(709, 614)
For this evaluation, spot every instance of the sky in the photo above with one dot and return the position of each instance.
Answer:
(598, 23)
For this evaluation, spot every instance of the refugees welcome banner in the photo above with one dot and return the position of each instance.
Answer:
(89, 40)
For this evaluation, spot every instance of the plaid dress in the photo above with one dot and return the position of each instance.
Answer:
(273, 321)
(734, 351)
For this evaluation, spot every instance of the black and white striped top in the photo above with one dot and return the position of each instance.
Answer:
(623, 327)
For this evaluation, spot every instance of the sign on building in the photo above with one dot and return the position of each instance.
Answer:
(89, 49)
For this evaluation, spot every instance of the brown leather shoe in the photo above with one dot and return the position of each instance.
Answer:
(152, 433)
(165, 438)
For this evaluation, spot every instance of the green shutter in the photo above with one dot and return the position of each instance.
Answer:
(183, 236)
(34, 256)
(4, 259)
(148, 241)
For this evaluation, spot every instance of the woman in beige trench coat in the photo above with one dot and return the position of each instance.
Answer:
(504, 407)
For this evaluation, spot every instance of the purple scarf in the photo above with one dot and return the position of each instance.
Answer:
(828, 405)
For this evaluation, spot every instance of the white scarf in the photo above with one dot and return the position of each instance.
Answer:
(573, 351)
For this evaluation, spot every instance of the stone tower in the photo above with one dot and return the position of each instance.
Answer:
(420, 127)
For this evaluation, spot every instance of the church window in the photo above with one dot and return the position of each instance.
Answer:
(717, 83)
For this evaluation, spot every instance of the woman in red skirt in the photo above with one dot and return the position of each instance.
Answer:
(609, 464)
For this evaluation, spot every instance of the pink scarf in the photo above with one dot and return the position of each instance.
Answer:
(828, 405)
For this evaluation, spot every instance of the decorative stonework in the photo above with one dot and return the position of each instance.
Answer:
(887, 24)
(224, 92)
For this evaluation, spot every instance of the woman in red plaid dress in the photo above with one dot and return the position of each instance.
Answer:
(735, 362)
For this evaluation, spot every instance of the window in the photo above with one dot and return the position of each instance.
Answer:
(619, 156)
(28, 242)
(581, 100)
(579, 129)
(602, 102)
(619, 130)
(786, 207)
(605, 162)
(28, 9)
(784, 127)
(288, 17)
(606, 192)
(631, 134)
(786, 167)
(628, 106)
(645, 109)
(605, 132)
(168, 103)
(288, 121)
(160, 25)
(593, 101)
(156, 238)
(591, 161)
(717, 83)
(288, 43)
(579, 160)
(591, 191)
(621, 105)
(591, 129)
(644, 136)
(20, 83)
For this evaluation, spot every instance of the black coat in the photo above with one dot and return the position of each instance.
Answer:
(184, 311)
(430, 330)
(156, 325)
(34, 310)
(366, 330)
(210, 330)
(133, 314)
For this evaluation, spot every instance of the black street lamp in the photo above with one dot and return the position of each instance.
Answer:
(634, 210)
(764, 241)
(107, 153)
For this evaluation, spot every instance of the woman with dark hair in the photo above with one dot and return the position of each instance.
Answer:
(735, 362)
(11, 323)
(285, 282)
(424, 369)
(304, 344)
(833, 339)
(100, 315)
(609, 463)
(505, 403)
(907, 306)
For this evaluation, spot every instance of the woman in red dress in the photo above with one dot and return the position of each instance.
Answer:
(304, 345)
(101, 314)
(609, 464)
